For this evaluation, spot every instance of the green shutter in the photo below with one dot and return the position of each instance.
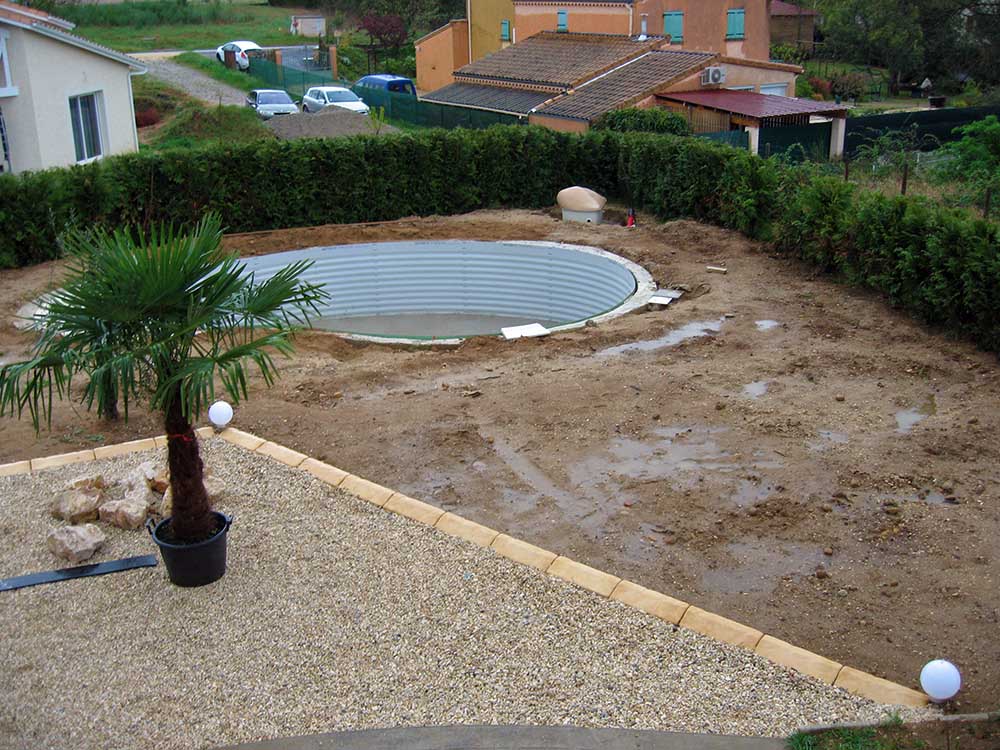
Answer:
(505, 31)
(562, 23)
(734, 24)
(673, 26)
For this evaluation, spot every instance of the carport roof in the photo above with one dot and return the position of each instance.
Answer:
(752, 104)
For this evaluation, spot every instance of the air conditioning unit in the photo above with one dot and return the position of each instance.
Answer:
(713, 76)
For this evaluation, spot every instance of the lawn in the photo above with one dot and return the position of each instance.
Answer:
(266, 25)
(212, 68)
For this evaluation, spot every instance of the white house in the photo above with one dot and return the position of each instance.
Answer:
(63, 99)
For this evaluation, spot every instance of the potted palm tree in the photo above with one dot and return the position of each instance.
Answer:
(165, 316)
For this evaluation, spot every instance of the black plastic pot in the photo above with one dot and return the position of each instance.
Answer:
(193, 564)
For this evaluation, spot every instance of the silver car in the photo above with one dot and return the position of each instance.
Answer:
(319, 97)
(271, 102)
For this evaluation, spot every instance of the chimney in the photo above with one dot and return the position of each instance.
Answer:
(642, 27)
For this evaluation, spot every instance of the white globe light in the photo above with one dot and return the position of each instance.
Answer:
(220, 413)
(940, 679)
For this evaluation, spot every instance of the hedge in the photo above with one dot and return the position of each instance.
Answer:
(940, 264)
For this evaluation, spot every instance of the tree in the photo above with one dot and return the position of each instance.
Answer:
(389, 30)
(886, 33)
(162, 317)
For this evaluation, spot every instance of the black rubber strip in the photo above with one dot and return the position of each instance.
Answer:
(79, 571)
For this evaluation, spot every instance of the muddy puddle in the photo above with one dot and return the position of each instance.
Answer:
(828, 439)
(766, 325)
(756, 389)
(759, 567)
(694, 330)
(907, 419)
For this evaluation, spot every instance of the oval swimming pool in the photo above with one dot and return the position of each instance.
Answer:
(446, 290)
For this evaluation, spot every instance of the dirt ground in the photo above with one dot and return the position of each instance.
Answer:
(327, 123)
(821, 467)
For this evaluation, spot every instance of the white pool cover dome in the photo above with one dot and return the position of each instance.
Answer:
(446, 290)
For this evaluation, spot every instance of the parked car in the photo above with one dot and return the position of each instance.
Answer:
(271, 102)
(243, 50)
(395, 84)
(319, 97)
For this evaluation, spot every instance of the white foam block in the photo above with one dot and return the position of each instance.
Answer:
(517, 332)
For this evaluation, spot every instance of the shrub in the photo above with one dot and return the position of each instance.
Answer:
(653, 120)
(146, 116)
(804, 89)
(848, 85)
(821, 86)
(789, 53)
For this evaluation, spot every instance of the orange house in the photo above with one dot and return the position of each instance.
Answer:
(738, 29)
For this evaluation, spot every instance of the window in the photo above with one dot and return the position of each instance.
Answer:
(505, 31)
(673, 26)
(4, 146)
(734, 24)
(562, 21)
(7, 87)
(84, 112)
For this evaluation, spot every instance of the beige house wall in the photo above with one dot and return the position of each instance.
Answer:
(559, 123)
(532, 19)
(738, 76)
(440, 53)
(47, 73)
(484, 25)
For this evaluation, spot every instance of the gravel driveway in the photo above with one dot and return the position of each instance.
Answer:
(334, 615)
(194, 83)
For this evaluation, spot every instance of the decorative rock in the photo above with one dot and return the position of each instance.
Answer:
(28, 316)
(77, 505)
(131, 511)
(75, 543)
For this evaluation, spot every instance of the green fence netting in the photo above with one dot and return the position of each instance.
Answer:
(797, 142)
(734, 138)
(292, 80)
(933, 126)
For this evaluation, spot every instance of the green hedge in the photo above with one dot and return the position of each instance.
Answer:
(942, 265)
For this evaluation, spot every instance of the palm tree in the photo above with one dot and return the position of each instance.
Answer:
(160, 317)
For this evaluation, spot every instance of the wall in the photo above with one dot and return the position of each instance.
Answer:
(484, 25)
(705, 25)
(559, 123)
(740, 75)
(48, 73)
(531, 19)
(796, 30)
(440, 53)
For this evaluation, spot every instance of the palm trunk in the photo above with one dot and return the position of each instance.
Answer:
(191, 518)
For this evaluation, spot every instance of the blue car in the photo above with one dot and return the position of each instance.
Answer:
(386, 82)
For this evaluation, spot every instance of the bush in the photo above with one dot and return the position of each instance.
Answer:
(804, 89)
(940, 264)
(653, 120)
(848, 85)
(153, 13)
(789, 53)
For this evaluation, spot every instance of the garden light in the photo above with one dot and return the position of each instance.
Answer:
(220, 413)
(941, 680)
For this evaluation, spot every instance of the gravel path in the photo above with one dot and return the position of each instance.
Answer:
(194, 83)
(337, 615)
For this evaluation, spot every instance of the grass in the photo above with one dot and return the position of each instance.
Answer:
(152, 93)
(213, 68)
(195, 126)
(263, 24)
(894, 735)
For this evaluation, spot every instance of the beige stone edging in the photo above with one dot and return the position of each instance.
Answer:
(609, 586)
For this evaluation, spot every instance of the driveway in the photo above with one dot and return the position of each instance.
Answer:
(194, 83)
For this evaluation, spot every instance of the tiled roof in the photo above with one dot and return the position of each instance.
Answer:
(751, 104)
(515, 101)
(781, 8)
(26, 15)
(556, 59)
(627, 84)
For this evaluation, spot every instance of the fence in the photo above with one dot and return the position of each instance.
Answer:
(292, 80)
(734, 138)
(933, 126)
(430, 114)
(797, 142)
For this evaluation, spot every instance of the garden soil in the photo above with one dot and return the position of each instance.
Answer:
(821, 467)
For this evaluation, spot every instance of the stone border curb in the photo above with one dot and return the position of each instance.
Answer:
(654, 603)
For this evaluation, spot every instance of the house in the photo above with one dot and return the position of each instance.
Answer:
(63, 99)
(733, 28)
(793, 24)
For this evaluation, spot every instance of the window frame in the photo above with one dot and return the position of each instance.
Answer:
(731, 22)
(9, 89)
(99, 126)
(679, 39)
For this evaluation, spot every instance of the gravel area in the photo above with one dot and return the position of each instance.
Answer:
(337, 615)
(194, 83)
(327, 123)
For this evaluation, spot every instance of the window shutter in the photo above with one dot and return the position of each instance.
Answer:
(505, 31)
(734, 24)
(562, 23)
(673, 26)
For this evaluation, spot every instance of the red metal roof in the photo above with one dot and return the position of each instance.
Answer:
(781, 8)
(751, 104)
